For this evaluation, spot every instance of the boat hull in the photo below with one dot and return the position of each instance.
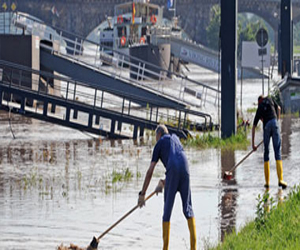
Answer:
(158, 57)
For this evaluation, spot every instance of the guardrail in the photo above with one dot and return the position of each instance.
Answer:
(114, 103)
(125, 67)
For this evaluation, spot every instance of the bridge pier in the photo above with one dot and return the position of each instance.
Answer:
(135, 131)
(68, 110)
(45, 108)
(53, 107)
(75, 114)
(23, 100)
(97, 121)
(142, 131)
(119, 127)
(112, 127)
(90, 124)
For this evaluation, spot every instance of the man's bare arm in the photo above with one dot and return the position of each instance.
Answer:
(148, 177)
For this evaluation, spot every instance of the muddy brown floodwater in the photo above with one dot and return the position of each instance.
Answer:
(61, 186)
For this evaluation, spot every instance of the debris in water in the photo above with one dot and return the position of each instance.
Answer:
(71, 247)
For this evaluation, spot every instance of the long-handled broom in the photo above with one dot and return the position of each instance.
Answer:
(94, 243)
(228, 174)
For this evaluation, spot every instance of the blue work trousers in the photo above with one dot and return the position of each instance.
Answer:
(177, 179)
(272, 130)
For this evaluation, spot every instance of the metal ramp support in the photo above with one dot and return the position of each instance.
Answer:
(79, 72)
(91, 55)
(92, 105)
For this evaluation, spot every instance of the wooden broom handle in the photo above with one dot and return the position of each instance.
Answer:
(123, 217)
(241, 161)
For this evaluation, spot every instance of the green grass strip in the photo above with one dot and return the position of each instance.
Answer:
(277, 227)
(207, 140)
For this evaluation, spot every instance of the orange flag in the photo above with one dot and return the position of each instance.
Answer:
(133, 12)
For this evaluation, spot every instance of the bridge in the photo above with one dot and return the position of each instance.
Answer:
(83, 16)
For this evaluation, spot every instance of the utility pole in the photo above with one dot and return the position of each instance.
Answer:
(228, 66)
(286, 37)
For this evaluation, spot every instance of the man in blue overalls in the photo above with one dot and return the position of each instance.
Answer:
(170, 151)
(268, 111)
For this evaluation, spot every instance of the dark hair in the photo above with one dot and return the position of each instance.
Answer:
(260, 97)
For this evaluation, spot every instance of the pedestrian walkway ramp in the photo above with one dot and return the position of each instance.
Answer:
(84, 60)
(87, 107)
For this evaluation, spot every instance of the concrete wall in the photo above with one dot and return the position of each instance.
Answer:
(23, 50)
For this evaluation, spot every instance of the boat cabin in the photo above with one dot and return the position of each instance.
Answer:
(133, 21)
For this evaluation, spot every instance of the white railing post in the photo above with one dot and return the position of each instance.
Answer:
(96, 55)
(138, 71)
(143, 71)
(122, 64)
(60, 41)
(101, 53)
(216, 98)
(205, 97)
(181, 89)
(81, 47)
(202, 97)
(74, 50)
(160, 82)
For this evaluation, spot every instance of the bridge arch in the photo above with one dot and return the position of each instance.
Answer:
(82, 16)
(270, 29)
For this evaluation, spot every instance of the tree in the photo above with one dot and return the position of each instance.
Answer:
(248, 25)
(247, 34)
(213, 29)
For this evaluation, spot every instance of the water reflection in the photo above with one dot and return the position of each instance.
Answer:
(269, 202)
(280, 196)
(286, 131)
(229, 195)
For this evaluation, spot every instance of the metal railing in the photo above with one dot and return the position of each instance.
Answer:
(127, 68)
(115, 103)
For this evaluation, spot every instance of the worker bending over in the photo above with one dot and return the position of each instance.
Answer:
(170, 151)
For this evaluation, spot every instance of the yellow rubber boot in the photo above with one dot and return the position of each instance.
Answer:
(166, 234)
(267, 173)
(281, 183)
(192, 228)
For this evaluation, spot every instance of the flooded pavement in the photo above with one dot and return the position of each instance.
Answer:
(62, 186)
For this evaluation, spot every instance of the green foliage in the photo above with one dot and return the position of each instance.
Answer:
(248, 25)
(213, 28)
(296, 35)
(297, 47)
(251, 110)
(275, 227)
(207, 140)
(119, 176)
(247, 33)
(264, 205)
